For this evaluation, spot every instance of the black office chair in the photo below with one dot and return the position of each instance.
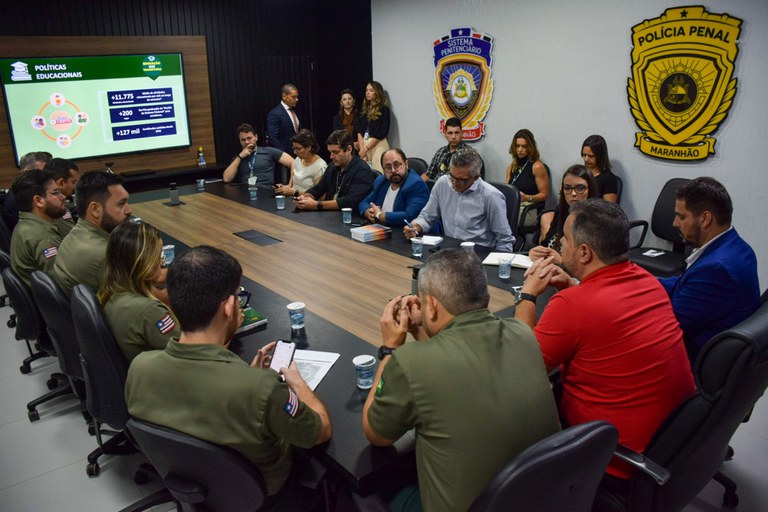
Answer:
(619, 188)
(431, 185)
(668, 263)
(105, 370)
(5, 232)
(560, 472)
(5, 262)
(200, 475)
(418, 164)
(512, 197)
(57, 313)
(30, 326)
(5, 246)
(731, 374)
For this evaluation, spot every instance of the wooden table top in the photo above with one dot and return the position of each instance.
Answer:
(342, 280)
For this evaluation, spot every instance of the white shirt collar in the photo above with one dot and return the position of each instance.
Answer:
(690, 260)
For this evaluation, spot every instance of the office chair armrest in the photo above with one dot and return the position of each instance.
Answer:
(642, 463)
(539, 207)
(185, 490)
(639, 223)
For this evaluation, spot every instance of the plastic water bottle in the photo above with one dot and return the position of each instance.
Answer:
(200, 157)
(174, 193)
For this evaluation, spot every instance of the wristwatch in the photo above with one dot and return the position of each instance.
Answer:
(385, 351)
(520, 296)
(378, 214)
(319, 206)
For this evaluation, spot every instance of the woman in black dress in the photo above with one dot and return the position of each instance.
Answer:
(528, 174)
(594, 151)
(346, 118)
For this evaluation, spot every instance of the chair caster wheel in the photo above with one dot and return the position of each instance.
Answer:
(730, 499)
(33, 415)
(140, 478)
(91, 429)
(92, 470)
(25, 369)
(52, 383)
(11, 323)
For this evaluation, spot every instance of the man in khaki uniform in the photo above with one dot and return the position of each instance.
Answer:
(65, 174)
(102, 204)
(473, 386)
(35, 241)
(199, 387)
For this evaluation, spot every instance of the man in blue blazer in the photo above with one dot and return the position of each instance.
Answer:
(719, 287)
(282, 121)
(398, 195)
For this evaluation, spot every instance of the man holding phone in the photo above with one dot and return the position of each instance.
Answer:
(473, 386)
(261, 162)
(199, 387)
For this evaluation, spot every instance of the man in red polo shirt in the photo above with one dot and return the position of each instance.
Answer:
(613, 334)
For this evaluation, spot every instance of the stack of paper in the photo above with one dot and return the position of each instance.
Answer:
(431, 240)
(314, 365)
(371, 232)
(518, 260)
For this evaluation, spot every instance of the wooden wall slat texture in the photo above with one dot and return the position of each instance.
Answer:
(252, 46)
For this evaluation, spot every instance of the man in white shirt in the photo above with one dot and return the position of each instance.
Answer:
(470, 209)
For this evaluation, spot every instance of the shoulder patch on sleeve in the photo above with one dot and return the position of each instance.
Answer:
(380, 387)
(165, 324)
(50, 252)
(291, 407)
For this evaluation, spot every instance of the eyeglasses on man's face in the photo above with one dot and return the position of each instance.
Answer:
(394, 165)
(461, 181)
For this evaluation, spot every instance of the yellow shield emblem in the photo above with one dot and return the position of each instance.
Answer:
(682, 83)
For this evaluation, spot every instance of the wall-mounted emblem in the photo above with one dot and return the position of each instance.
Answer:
(462, 86)
(682, 83)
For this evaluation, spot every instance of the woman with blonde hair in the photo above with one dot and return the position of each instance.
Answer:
(373, 126)
(138, 319)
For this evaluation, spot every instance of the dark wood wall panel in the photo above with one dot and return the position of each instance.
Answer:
(198, 94)
(253, 46)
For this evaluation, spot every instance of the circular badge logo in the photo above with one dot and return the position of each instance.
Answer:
(678, 92)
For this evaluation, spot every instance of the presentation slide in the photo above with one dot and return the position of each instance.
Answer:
(78, 107)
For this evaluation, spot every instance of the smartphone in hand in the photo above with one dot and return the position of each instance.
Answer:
(283, 355)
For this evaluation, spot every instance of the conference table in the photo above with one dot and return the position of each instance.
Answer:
(308, 256)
